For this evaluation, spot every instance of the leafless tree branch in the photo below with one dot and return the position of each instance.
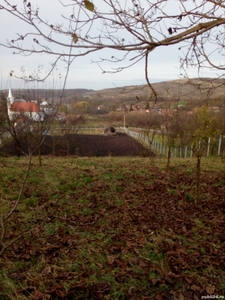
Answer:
(129, 30)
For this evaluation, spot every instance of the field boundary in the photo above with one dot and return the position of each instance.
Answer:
(212, 149)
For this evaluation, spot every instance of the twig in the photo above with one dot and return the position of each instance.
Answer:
(4, 246)
(21, 190)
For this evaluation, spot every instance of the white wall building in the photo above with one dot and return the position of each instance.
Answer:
(18, 108)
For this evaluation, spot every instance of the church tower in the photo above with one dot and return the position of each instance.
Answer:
(10, 100)
(10, 97)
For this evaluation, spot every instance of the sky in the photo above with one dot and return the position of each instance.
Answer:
(163, 63)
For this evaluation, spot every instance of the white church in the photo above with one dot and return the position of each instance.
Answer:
(17, 108)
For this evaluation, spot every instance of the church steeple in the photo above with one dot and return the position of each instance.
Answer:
(10, 93)
(10, 98)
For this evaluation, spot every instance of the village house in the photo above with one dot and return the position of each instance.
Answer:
(18, 108)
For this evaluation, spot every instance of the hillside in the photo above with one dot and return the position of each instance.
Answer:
(184, 91)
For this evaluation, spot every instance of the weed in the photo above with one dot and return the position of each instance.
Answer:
(173, 168)
(190, 197)
(73, 267)
(149, 182)
(219, 183)
(184, 187)
(154, 275)
(163, 288)
(199, 224)
(173, 192)
(159, 217)
(202, 250)
(118, 189)
(108, 177)
(109, 278)
(87, 179)
(118, 295)
(51, 228)
(31, 201)
(152, 252)
(183, 240)
(86, 211)
(33, 180)
(119, 176)
(222, 287)
(119, 202)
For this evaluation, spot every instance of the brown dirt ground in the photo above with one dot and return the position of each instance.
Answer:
(86, 145)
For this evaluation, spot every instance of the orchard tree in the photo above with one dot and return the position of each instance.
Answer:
(173, 130)
(130, 30)
(26, 133)
(202, 126)
(28, 138)
(150, 123)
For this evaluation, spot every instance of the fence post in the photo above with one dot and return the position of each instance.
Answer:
(208, 146)
(219, 146)
(171, 152)
(185, 152)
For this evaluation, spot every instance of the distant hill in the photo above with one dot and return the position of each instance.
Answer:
(39, 94)
(183, 91)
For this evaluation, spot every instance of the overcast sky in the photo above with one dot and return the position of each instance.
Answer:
(163, 63)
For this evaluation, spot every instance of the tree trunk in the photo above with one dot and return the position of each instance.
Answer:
(53, 146)
(198, 171)
(39, 156)
(168, 157)
(68, 148)
(17, 148)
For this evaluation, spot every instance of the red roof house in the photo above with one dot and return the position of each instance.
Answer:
(18, 108)
(24, 107)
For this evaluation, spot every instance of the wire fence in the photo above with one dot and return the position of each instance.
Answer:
(213, 147)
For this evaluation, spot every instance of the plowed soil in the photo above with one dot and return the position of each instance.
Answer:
(86, 145)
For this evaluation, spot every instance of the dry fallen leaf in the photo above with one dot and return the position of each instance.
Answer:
(158, 297)
(180, 296)
(195, 288)
(110, 259)
(210, 289)
(46, 270)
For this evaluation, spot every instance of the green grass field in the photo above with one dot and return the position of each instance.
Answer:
(112, 228)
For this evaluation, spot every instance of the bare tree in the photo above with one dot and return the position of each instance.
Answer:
(130, 29)
(150, 122)
(66, 133)
(173, 130)
(29, 132)
(28, 139)
(202, 126)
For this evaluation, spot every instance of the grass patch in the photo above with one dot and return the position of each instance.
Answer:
(117, 227)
